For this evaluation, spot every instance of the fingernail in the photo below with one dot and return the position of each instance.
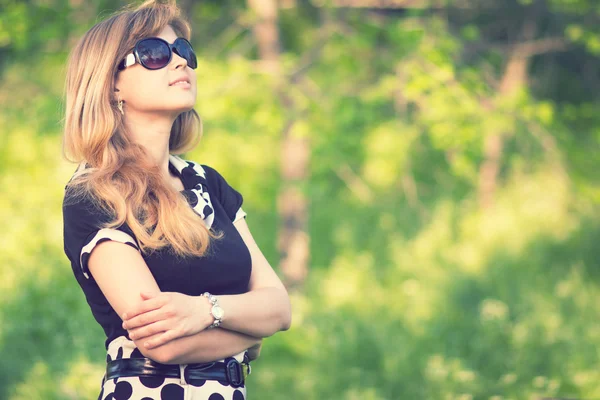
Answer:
(132, 335)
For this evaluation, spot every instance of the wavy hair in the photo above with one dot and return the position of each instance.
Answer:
(122, 178)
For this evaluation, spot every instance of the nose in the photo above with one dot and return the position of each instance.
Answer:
(178, 60)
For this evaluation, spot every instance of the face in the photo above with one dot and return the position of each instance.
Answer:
(148, 91)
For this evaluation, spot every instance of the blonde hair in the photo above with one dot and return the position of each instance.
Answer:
(122, 178)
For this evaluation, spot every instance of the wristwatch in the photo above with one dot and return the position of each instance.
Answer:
(216, 311)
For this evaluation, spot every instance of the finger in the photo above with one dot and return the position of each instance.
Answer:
(143, 307)
(146, 340)
(148, 330)
(159, 340)
(145, 319)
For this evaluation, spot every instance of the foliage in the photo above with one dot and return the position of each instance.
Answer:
(415, 291)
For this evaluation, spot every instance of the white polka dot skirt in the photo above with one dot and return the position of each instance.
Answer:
(158, 388)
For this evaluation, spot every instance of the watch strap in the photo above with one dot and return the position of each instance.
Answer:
(215, 303)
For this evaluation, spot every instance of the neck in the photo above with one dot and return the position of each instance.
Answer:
(153, 132)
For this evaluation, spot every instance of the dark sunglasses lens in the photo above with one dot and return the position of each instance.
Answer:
(154, 54)
(184, 49)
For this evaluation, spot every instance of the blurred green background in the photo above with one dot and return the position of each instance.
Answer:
(445, 159)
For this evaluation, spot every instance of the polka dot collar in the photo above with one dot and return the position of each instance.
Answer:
(194, 181)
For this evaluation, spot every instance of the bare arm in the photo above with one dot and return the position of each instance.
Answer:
(122, 287)
(208, 345)
(265, 309)
(261, 312)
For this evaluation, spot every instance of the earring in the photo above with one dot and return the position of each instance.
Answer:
(120, 106)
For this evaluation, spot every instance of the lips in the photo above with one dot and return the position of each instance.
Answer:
(180, 79)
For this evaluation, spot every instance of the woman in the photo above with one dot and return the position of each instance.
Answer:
(159, 244)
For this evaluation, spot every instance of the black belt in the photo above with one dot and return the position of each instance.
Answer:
(232, 372)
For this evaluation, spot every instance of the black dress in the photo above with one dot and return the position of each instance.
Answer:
(225, 270)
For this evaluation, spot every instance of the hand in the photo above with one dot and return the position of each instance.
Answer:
(175, 314)
(254, 351)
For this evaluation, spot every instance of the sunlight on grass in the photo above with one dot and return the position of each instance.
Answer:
(303, 333)
(348, 275)
(32, 208)
(528, 207)
(37, 384)
(493, 310)
(363, 394)
(459, 277)
(387, 151)
(83, 379)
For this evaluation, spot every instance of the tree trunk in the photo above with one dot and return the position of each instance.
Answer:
(293, 241)
(513, 79)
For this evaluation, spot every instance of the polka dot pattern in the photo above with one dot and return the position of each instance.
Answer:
(136, 353)
(123, 391)
(197, 196)
(238, 395)
(171, 389)
(171, 392)
(198, 382)
(152, 381)
(159, 388)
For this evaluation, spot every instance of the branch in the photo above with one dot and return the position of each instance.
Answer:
(355, 183)
(381, 4)
(539, 46)
(523, 49)
(308, 58)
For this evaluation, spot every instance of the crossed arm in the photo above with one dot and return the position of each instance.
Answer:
(171, 327)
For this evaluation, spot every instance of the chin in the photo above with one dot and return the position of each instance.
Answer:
(190, 108)
(185, 107)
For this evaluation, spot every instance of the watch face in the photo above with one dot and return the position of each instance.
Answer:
(217, 312)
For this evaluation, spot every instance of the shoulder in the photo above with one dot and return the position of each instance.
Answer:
(76, 197)
(80, 203)
(82, 210)
(82, 216)
(230, 199)
(210, 173)
(215, 180)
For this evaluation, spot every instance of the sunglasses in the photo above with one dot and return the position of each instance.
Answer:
(156, 53)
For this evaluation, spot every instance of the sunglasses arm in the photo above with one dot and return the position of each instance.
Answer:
(127, 61)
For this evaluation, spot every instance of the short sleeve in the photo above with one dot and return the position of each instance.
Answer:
(82, 231)
(230, 199)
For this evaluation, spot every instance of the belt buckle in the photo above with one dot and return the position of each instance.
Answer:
(234, 373)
